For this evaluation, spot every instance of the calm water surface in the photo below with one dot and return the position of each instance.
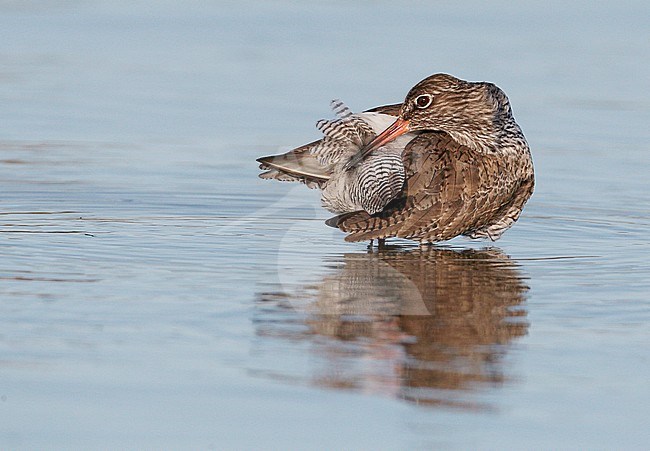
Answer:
(155, 294)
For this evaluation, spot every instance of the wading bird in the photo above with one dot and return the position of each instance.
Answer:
(450, 160)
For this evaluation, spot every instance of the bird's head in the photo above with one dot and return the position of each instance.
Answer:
(475, 114)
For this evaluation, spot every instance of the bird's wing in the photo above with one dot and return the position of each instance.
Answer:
(392, 110)
(449, 190)
(342, 138)
(297, 165)
(312, 163)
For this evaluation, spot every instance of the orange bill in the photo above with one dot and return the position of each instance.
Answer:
(397, 128)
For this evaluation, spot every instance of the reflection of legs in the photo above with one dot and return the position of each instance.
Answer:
(381, 242)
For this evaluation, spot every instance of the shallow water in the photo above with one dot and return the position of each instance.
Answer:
(155, 294)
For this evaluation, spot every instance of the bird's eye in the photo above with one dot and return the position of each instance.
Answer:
(423, 101)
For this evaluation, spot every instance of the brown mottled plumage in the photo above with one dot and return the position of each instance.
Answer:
(468, 167)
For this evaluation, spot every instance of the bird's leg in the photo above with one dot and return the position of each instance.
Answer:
(370, 244)
(380, 243)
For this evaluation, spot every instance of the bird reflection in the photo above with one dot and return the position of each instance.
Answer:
(431, 326)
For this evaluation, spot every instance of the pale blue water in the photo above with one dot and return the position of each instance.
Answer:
(155, 294)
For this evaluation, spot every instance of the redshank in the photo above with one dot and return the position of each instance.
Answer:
(450, 160)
